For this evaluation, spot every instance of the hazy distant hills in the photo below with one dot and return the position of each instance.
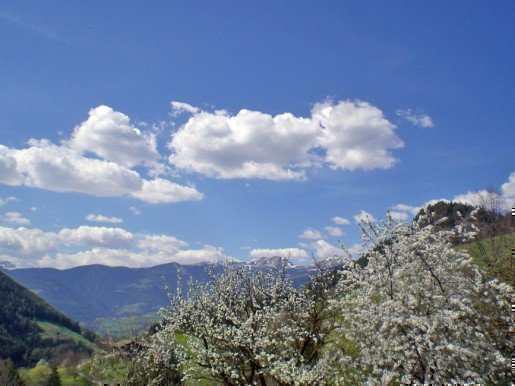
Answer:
(90, 292)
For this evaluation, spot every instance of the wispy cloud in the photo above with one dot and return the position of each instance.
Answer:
(101, 218)
(135, 210)
(16, 218)
(416, 119)
(4, 201)
(334, 231)
(311, 234)
(46, 33)
(340, 220)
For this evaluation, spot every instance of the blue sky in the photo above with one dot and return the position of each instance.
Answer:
(290, 114)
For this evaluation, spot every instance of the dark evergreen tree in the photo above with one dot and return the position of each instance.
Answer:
(55, 379)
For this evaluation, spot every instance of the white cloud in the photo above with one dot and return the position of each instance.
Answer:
(23, 246)
(340, 220)
(207, 253)
(97, 237)
(420, 120)
(109, 134)
(505, 199)
(355, 135)
(295, 255)
(98, 245)
(252, 144)
(471, 198)
(398, 216)
(105, 256)
(310, 234)
(58, 168)
(364, 216)
(407, 208)
(181, 107)
(16, 218)
(323, 249)
(69, 167)
(508, 190)
(101, 218)
(4, 201)
(9, 173)
(42, 32)
(135, 210)
(334, 231)
(355, 249)
(249, 144)
(161, 243)
(132, 258)
(486, 199)
(159, 191)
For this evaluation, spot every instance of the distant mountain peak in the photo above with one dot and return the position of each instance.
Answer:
(4, 264)
(270, 262)
(333, 261)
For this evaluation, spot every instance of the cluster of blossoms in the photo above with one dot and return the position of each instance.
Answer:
(421, 312)
(418, 312)
(247, 326)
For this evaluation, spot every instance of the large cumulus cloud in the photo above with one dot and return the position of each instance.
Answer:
(98, 159)
(252, 144)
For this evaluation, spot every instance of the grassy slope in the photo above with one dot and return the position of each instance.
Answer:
(493, 256)
(54, 331)
(126, 326)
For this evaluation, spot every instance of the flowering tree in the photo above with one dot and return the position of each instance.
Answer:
(420, 312)
(248, 326)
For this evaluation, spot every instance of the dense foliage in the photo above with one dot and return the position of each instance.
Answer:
(20, 335)
(8, 374)
(54, 379)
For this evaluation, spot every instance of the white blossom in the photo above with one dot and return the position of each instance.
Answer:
(248, 326)
(420, 312)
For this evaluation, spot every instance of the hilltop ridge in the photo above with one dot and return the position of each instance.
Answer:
(90, 292)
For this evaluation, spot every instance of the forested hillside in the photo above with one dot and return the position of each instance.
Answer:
(30, 329)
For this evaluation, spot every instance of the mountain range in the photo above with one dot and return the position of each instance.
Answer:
(92, 292)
